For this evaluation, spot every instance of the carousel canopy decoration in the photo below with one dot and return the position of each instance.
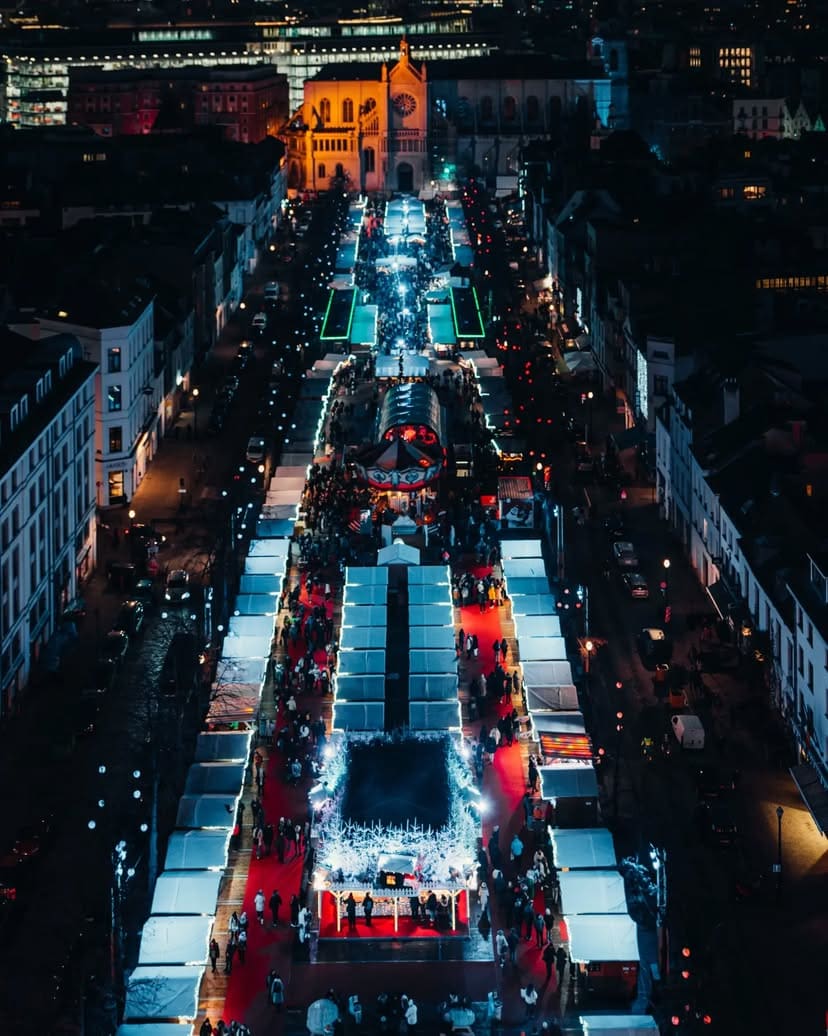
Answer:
(398, 795)
(409, 453)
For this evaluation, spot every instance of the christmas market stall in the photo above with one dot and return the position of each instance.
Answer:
(580, 848)
(605, 949)
(572, 790)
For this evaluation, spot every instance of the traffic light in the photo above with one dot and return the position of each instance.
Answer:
(668, 615)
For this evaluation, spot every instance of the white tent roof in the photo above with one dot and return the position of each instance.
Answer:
(414, 366)
(542, 649)
(268, 547)
(216, 778)
(434, 715)
(527, 626)
(292, 471)
(186, 892)
(511, 549)
(261, 583)
(235, 669)
(432, 637)
(432, 686)
(364, 595)
(251, 626)
(360, 688)
(438, 660)
(366, 576)
(524, 568)
(299, 458)
(362, 637)
(602, 937)
(175, 940)
(277, 528)
(426, 593)
(559, 723)
(256, 604)
(398, 554)
(358, 663)
(534, 604)
(264, 566)
(223, 746)
(592, 892)
(618, 1024)
(283, 497)
(208, 812)
(546, 674)
(526, 586)
(365, 615)
(551, 699)
(430, 615)
(247, 647)
(196, 850)
(155, 1029)
(430, 574)
(368, 715)
(163, 992)
(582, 847)
(568, 782)
(294, 485)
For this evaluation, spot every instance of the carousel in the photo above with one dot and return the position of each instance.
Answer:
(396, 817)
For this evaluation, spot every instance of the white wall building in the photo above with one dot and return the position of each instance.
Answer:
(809, 704)
(47, 496)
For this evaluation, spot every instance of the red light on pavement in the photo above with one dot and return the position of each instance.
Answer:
(707, 1019)
(685, 951)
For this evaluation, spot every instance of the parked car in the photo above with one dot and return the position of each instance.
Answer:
(145, 593)
(713, 782)
(130, 618)
(623, 553)
(259, 323)
(256, 450)
(115, 646)
(177, 590)
(636, 586)
(272, 291)
(654, 647)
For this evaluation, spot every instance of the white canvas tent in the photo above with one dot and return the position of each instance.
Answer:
(163, 992)
(360, 688)
(546, 674)
(583, 847)
(197, 850)
(275, 528)
(398, 553)
(592, 892)
(432, 638)
(432, 661)
(360, 663)
(426, 593)
(602, 937)
(235, 669)
(511, 549)
(155, 1029)
(175, 940)
(268, 547)
(527, 626)
(364, 595)
(294, 472)
(559, 723)
(366, 576)
(524, 568)
(365, 615)
(247, 647)
(551, 699)
(534, 604)
(432, 575)
(283, 498)
(360, 638)
(223, 746)
(186, 892)
(261, 583)
(265, 566)
(523, 586)
(251, 626)
(404, 525)
(208, 812)
(542, 649)
(618, 1025)
(568, 782)
(256, 604)
(434, 715)
(218, 778)
(430, 615)
(368, 715)
(432, 686)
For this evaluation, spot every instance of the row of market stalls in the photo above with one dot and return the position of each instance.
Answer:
(433, 702)
(359, 681)
(162, 991)
(603, 938)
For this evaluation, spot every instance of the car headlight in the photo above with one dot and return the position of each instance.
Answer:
(167, 596)
(185, 596)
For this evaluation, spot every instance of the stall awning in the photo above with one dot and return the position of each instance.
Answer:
(175, 940)
(432, 661)
(223, 746)
(365, 615)
(524, 568)
(527, 586)
(261, 583)
(551, 699)
(527, 626)
(559, 723)
(208, 812)
(542, 649)
(434, 715)
(602, 937)
(618, 1025)
(430, 615)
(361, 638)
(256, 604)
(361, 663)
(814, 794)
(414, 366)
(251, 626)
(584, 847)
(197, 850)
(265, 566)
(398, 553)
(368, 715)
(218, 778)
(159, 992)
(234, 669)
(360, 688)
(268, 547)
(592, 892)
(425, 593)
(366, 576)
(432, 686)
(430, 575)
(359, 595)
(155, 1029)
(277, 528)
(568, 782)
(511, 550)
(534, 604)
(186, 892)
(546, 674)
(432, 638)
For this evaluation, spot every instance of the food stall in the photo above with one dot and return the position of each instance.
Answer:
(572, 789)
(585, 847)
(605, 949)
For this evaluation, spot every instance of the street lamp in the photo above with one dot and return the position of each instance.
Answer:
(131, 514)
(196, 394)
(588, 647)
(589, 397)
(666, 581)
(777, 867)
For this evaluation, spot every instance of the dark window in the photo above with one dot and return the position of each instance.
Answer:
(370, 157)
(116, 439)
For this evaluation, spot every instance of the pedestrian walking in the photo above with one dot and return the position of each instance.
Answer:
(529, 995)
(351, 911)
(206, 1028)
(368, 908)
(502, 947)
(483, 896)
(241, 946)
(516, 850)
(215, 953)
(561, 959)
(513, 939)
(540, 930)
(229, 952)
(234, 925)
(548, 957)
(294, 911)
(259, 904)
(549, 923)
(280, 845)
(276, 992)
(274, 903)
(534, 775)
(267, 835)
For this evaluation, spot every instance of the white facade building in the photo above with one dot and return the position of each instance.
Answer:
(47, 497)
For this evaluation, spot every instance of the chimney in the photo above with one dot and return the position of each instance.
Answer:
(730, 400)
